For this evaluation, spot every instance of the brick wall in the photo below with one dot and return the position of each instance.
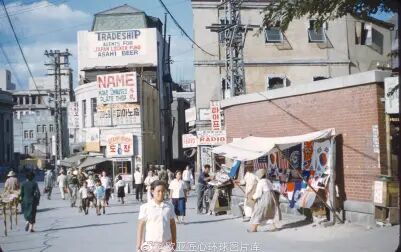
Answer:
(351, 111)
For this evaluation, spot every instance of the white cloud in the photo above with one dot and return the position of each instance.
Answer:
(40, 26)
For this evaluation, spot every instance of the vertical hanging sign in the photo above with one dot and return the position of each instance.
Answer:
(215, 115)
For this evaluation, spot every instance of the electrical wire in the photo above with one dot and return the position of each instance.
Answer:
(20, 48)
(182, 29)
(11, 66)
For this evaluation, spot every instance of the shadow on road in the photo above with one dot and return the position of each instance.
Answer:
(83, 226)
(128, 212)
(209, 221)
(294, 224)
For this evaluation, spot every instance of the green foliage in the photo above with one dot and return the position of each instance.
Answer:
(323, 10)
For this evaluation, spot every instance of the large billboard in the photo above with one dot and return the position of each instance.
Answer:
(123, 114)
(117, 88)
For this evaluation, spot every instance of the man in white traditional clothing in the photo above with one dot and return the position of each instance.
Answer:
(249, 181)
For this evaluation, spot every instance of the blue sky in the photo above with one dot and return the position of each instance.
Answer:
(53, 24)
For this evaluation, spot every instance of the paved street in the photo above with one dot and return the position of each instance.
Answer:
(61, 228)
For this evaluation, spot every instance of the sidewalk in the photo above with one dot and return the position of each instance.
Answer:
(61, 228)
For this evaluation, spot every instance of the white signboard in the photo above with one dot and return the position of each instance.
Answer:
(212, 137)
(391, 95)
(120, 145)
(92, 139)
(204, 114)
(128, 43)
(378, 192)
(205, 156)
(117, 88)
(215, 115)
(123, 114)
(73, 115)
(375, 139)
(189, 141)
(190, 115)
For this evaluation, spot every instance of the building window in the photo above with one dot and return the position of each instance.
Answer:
(26, 134)
(51, 127)
(315, 34)
(33, 99)
(363, 33)
(94, 110)
(38, 128)
(44, 128)
(8, 153)
(318, 78)
(273, 34)
(26, 100)
(26, 150)
(15, 100)
(275, 81)
(52, 112)
(83, 113)
(31, 134)
(8, 126)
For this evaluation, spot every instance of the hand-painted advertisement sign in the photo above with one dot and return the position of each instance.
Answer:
(215, 115)
(120, 145)
(117, 88)
(212, 137)
(189, 141)
(123, 114)
(73, 115)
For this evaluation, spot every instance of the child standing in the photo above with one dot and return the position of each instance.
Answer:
(100, 193)
(120, 188)
(156, 226)
(83, 195)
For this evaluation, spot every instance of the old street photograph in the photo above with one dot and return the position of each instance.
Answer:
(200, 125)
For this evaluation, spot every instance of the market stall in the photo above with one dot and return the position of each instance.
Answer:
(301, 167)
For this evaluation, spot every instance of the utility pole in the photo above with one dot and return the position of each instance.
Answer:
(58, 59)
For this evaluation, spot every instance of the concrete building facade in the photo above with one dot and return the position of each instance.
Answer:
(6, 129)
(275, 59)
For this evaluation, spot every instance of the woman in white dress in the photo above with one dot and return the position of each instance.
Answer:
(266, 205)
(148, 181)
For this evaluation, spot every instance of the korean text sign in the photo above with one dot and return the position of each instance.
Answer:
(120, 145)
(215, 115)
(123, 114)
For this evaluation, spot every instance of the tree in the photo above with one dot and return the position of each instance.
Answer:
(324, 10)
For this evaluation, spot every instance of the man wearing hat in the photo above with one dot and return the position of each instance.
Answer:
(11, 182)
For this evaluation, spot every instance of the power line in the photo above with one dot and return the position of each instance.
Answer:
(182, 29)
(48, 4)
(20, 48)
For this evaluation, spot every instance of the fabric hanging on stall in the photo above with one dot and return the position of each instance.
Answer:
(260, 163)
(307, 148)
(295, 194)
(294, 154)
(283, 168)
(272, 169)
(321, 155)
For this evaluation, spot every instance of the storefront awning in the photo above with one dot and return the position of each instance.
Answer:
(251, 148)
(72, 161)
(91, 161)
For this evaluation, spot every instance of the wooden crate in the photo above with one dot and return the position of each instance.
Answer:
(381, 213)
(393, 217)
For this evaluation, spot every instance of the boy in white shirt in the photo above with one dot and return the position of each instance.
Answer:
(156, 226)
(83, 195)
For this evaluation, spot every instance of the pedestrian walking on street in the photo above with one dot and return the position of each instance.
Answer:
(106, 183)
(100, 194)
(178, 195)
(163, 176)
(11, 183)
(30, 196)
(187, 177)
(120, 185)
(203, 179)
(148, 182)
(138, 177)
(266, 203)
(249, 181)
(62, 184)
(73, 186)
(49, 183)
(156, 229)
(83, 195)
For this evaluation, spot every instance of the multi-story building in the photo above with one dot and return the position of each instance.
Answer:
(6, 120)
(34, 121)
(275, 59)
(127, 45)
